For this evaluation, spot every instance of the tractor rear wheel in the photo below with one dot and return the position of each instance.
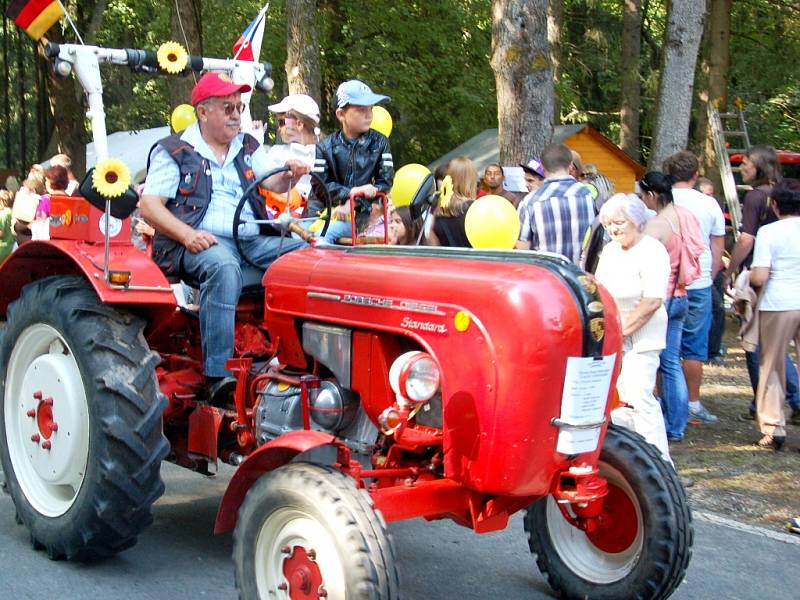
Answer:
(645, 544)
(81, 441)
(305, 531)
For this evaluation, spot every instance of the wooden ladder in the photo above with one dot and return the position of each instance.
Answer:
(721, 134)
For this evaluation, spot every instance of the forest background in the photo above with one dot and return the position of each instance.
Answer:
(432, 58)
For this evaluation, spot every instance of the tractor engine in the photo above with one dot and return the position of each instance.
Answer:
(333, 407)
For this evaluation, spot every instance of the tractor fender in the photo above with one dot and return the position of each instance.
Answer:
(39, 259)
(268, 457)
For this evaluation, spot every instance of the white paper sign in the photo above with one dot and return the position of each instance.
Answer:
(514, 179)
(586, 385)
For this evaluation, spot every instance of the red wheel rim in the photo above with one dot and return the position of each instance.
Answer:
(618, 524)
(303, 576)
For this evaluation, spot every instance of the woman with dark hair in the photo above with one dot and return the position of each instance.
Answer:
(776, 268)
(404, 230)
(679, 231)
(762, 170)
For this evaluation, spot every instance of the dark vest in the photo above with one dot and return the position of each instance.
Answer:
(193, 195)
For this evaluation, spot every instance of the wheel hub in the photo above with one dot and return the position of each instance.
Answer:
(46, 419)
(303, 575)
(51, 391)
(618, 524)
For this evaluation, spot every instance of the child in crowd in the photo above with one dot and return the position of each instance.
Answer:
(355, 161)
(6, 233)
(298, 127)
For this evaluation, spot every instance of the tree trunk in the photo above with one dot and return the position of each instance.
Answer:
(302, 48)
(676, 89)
(524, 78)
(631, 86)
(555, 17)
(66, 104)
(187, 29)
(6, 90)
(712, 81)
(22, 107)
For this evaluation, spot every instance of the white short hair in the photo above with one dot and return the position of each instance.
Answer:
(629, 205)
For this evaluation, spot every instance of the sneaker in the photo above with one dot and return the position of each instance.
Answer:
(674, 439)
(702, 416)
(717, 361)
(746, 416)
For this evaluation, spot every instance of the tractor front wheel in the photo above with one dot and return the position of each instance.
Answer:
(305, 531)
(644, 543)
(80, 435)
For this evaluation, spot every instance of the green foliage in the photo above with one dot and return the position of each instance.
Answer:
(432, 58)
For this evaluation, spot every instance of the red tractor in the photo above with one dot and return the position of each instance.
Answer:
(373, 384)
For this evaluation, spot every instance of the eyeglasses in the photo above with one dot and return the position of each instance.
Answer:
(283, 121)
(229, 107)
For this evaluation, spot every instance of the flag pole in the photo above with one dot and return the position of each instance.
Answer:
(69, 19)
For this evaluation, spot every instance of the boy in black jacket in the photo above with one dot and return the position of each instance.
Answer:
(355, 160)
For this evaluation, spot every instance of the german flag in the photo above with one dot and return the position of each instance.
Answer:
(35, 16)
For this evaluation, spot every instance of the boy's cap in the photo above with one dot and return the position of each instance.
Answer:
(215, 85)
(534, 167)
(299, 103)
(357, 93)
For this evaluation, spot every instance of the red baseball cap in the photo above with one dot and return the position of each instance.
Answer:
(215, 85)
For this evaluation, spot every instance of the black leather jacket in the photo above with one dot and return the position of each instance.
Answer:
(344, 164)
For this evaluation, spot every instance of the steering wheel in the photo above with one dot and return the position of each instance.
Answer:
(284, 219)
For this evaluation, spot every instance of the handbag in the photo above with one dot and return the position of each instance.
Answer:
(25, 205)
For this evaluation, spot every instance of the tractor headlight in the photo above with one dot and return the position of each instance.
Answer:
(414, 377)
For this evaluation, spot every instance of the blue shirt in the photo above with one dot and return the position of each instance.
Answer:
(163, 178)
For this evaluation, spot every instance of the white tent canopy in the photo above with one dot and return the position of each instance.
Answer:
(132, 148)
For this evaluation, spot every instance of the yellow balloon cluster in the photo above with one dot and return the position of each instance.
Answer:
(381, 120)
(182, 117)
(492, 222)
(407, 180)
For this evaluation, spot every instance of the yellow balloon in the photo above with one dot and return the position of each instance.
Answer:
(182, 117)
(381, 120)
(492, 222)
(407, 180)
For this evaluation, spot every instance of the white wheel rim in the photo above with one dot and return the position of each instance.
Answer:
(43, 366)
(289, 528)
(578, 552)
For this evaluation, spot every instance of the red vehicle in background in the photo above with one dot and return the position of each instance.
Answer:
(790, 164)
(373, 384)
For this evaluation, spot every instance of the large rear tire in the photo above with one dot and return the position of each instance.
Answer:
(81, 441)
(644, 549)
(305, 528)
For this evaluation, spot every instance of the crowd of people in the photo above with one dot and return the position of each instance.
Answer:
(659, 252)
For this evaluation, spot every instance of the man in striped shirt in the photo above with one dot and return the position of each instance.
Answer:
(558, 214)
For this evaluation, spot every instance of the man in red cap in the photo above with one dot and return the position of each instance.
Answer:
(194, 183)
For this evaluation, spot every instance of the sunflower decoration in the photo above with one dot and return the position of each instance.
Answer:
(111, 178)
(172, 57)
(446, 192)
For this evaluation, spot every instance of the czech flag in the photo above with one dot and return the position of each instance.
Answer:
(35, 16)
(248, 46)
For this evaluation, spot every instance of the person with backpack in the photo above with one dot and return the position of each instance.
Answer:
(679, 231)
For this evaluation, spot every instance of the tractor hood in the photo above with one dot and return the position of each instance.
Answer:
(500, 324)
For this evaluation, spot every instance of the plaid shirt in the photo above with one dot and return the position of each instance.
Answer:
(557, 216)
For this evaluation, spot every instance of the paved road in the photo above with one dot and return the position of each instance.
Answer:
(179, 558)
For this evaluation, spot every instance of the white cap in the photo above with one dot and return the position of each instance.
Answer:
(299, 103)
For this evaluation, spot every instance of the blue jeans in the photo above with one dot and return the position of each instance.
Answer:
(338, 229)
(674, 393)
(697, 325)
(220, 273)
(792, 384)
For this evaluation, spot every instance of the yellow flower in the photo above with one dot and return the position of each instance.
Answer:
(446, 192)
(111, 178)
(172, 57)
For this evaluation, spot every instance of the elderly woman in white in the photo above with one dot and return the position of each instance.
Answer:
(634, 268)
